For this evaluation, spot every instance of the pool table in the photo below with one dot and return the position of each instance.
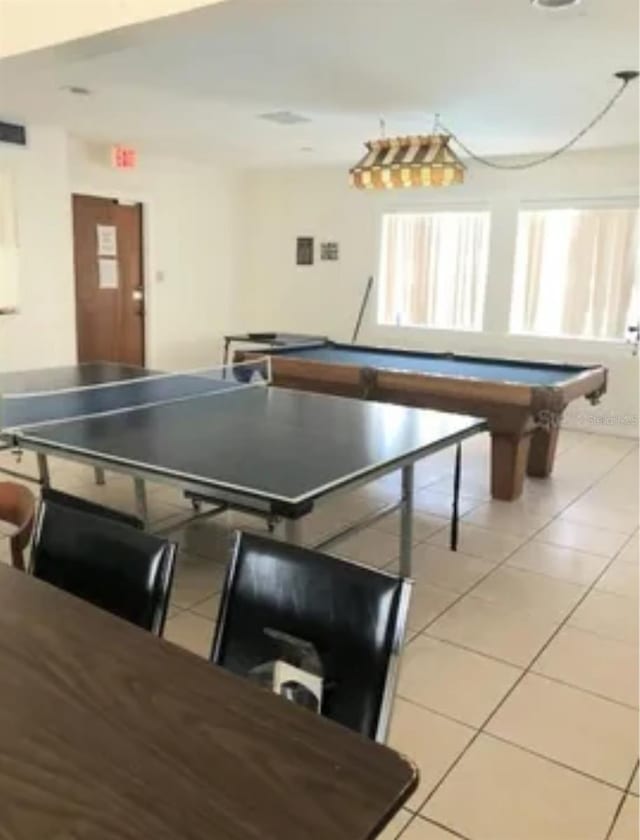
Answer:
(523, 401)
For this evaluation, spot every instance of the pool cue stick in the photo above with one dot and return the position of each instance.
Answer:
(363, 306)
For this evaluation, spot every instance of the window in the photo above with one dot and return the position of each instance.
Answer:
(576, 272)
(8, 248)
(433, 269)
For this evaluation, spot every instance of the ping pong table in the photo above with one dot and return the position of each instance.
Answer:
(226, 437)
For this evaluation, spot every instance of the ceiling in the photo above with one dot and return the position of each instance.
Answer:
(507, 77)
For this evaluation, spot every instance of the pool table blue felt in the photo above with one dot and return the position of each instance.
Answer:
(519, 373)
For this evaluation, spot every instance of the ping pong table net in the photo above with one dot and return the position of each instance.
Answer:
(29, 408)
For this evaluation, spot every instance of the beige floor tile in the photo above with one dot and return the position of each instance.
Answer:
(583, 537)
(500, 792)
(207, 538)
(498, 630)
(456, 682)
(506, 517)
(318, 526)
(539, 594)
(439, 504)
(446, 569)
(118, 493)
(631, 551)
(600, 665)
(350, 507)
(209, 608)
(426, 603)
(609, 615)
(371, 547)
(621, 578)
(424, 525)
(611, 518)
(571, 726)
(169, 495)
(394, 828)
(196, 579)
(422, 829)
(480, 542)
(430, 740)
(626, 826)
(475, 484)
(558, 562)
(190, 631)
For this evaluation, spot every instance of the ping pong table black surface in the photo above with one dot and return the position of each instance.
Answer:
(255, 447)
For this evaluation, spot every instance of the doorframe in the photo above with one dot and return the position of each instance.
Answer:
(142, 198)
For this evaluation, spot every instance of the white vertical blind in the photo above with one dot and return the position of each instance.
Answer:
(433, 269)
(576, 272)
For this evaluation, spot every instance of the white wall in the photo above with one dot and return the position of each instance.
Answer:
(274, 293)
(190, 228)
(43, 331)
(190, 214)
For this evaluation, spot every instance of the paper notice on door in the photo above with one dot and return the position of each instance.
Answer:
(107, 237)
(107, 274)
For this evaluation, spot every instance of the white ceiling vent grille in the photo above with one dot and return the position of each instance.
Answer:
(284, 118)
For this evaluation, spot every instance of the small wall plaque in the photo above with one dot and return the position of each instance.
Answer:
(329, 251)
(304, 250)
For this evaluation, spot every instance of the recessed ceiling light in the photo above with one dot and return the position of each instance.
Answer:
(77, 90)
(555, 4)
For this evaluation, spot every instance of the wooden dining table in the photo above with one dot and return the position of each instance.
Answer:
(109, 733)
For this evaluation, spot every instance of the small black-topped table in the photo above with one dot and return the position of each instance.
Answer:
(270, 339)
(109, 732)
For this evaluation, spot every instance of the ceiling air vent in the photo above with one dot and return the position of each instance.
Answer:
(284, 118)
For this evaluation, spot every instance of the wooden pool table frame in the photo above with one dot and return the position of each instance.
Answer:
(524, 420)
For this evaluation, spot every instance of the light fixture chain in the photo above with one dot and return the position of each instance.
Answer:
(546, 158)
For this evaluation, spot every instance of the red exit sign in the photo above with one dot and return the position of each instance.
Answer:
(123, 157)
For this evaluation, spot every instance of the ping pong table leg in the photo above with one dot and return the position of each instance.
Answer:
(43, 469)
(406, 521)
(292, 531)
(141, 499)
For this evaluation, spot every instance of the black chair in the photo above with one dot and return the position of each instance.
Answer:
(58, 497)
(354, 617)
(106, 562)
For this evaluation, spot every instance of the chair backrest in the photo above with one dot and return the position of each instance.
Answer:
(354, 616)
(58, 497)
(108, 563)
(17, 507)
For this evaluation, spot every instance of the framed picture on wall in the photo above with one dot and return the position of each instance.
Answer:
(304, 250)
(329, 251)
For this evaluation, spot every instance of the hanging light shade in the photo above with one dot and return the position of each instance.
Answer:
(398, 162)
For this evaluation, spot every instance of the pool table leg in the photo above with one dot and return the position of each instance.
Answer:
(509, 454)
(542, 452)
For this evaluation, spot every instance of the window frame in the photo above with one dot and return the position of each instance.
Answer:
(400, 208)
(610, 202)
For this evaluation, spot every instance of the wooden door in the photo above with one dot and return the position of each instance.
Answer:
(109, 280)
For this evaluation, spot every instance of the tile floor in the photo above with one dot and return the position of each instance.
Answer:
(518, 693)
